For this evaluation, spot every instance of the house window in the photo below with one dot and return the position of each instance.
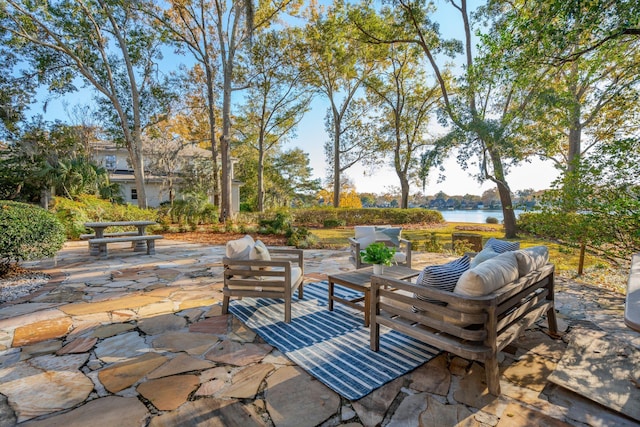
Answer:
(110, 162)
(134, 194)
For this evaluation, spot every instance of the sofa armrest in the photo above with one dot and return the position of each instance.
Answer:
(293, 255)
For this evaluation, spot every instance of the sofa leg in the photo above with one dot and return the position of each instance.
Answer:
(493, 376)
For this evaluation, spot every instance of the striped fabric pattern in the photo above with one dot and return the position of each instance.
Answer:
(443, 277)
(501, 246)
(333, 346)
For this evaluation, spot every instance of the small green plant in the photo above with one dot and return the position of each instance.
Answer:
(432, 244)
(378, 253)
(333, 222)
(461, 247)
(492, 220)
(302, 238)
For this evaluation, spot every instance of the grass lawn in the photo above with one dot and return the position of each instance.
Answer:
(598, 272)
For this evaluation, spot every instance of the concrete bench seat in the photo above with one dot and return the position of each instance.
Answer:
(118, 234)
(632, 304)
(98, 247)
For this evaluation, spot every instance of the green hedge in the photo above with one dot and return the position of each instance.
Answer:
(28, 232)
(366, 216)
(74, 213)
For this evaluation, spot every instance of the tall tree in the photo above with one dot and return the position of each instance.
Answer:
(405, 105)
(337, 65)
(592, 90)
(191, 24)
(232, 37)
(474, 129)
(110, 45)
(16, 89)
(276, 100)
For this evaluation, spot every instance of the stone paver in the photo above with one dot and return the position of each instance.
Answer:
(103, 412)
(168, 393)
(159, 324)
(141, 340)
(122, 375)
(240, 354)
(78, 345)
(178, 365)
(209, 412)
(295, 399)
(246, 382)
(41, 331)
(121, 347)
(373, 407)
(194, 344)
(438, 414)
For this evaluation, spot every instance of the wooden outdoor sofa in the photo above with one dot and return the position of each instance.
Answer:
(632, 301)
(472, 327)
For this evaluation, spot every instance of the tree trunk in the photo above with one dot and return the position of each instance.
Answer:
(575, 136)
(336, 158)
(510, 227)
(135, 153)
(225, 144)
(260, 177)
(212, 133)
(404, 191)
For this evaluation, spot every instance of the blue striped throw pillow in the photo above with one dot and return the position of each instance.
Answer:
(501, 246)
(443, 277)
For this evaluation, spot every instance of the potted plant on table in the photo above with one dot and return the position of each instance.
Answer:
(379, 255)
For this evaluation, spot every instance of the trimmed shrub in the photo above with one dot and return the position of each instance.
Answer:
(369, 216)
(74, 213)
(333, 223)
(28, 232)
(492, 220)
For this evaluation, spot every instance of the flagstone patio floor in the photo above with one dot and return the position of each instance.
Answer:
(138, 340)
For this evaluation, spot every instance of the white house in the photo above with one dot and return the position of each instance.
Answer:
(116, 161)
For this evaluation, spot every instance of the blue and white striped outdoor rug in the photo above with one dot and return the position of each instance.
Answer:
(333, 346)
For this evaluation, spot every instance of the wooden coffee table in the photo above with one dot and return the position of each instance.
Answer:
(360, 280)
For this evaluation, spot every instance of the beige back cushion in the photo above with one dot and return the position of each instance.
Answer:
(488, 276)
(259, 252)
(532, 258)
(239, 249)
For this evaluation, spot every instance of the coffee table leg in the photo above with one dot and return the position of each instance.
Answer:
(367, 306)
(330, 296)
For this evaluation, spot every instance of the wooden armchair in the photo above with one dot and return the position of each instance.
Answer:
(390, 236)
(278, 277)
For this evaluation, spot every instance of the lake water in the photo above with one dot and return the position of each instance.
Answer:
(474, 215)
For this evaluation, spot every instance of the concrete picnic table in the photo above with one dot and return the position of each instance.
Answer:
(100, 227)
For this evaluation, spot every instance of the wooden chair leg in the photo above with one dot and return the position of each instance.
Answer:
(225, 304)
(493, 376)
(287, 310)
